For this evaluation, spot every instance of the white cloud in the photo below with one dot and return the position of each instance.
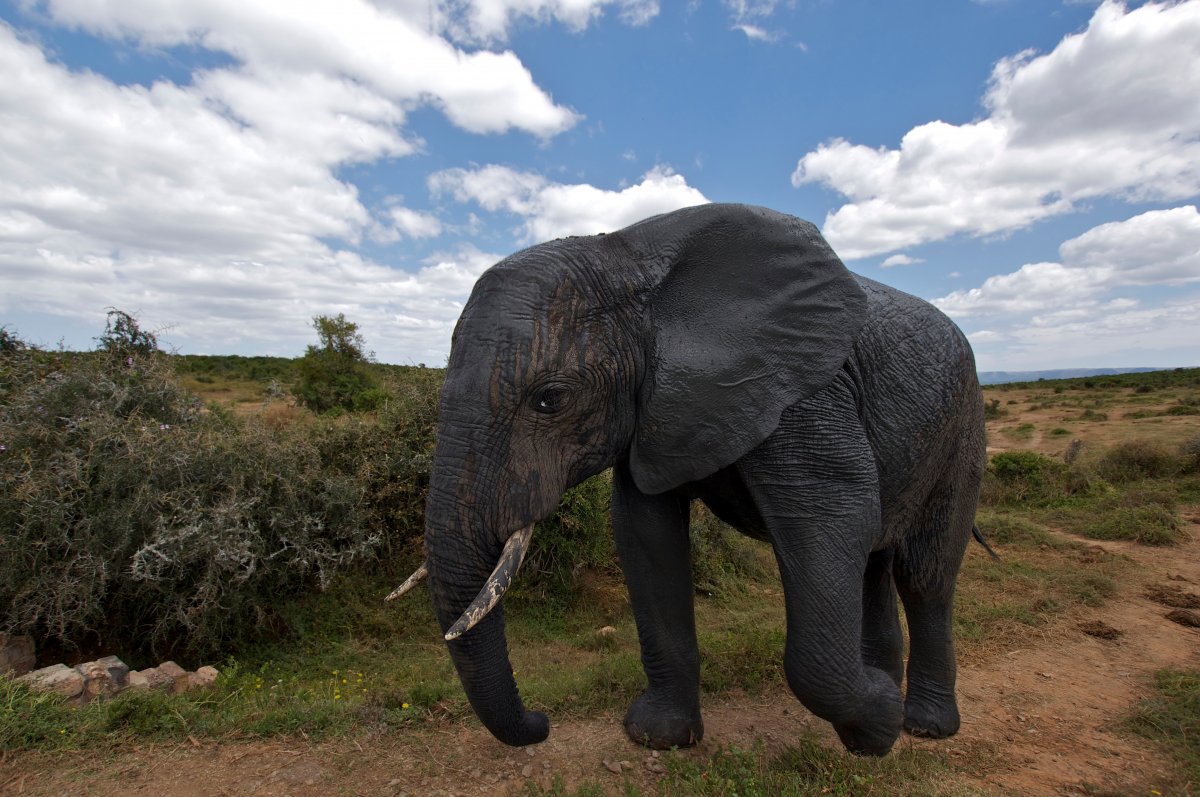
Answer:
(414, 223)
(900, 260)
(552, 210)
(1033, 287)
(489, 20)
(1111, 111)
(1157, 247)
(215, 204)
(750, 17)
(1069, 308)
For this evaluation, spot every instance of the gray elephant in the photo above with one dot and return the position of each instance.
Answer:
(720, 353)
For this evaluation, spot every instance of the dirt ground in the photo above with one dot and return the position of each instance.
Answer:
(1038, 719)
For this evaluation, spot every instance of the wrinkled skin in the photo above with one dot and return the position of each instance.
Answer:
(720, 353)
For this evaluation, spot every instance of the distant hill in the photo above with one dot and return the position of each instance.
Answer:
(999, 377)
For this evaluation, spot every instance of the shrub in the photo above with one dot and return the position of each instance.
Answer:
(577, 536)
(336, 375)
(1136, 460)
(1189, 452)
(1149, 524)
(992, 410)
(1023, 476)
(134, 519)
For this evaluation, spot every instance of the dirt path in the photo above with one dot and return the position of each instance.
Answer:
(1037, 720)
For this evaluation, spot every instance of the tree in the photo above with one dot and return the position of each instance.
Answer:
(335, 374)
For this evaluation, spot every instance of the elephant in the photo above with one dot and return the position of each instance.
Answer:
(720, 353)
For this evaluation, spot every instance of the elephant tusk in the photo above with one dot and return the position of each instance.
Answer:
(416, 578)
(497, 583)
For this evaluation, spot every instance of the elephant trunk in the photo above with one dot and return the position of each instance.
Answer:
(461, 559)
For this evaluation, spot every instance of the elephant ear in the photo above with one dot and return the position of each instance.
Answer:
(753, 312)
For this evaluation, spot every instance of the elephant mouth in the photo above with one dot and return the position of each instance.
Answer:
(493, 590)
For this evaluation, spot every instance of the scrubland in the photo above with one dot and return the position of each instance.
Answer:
(163, 506)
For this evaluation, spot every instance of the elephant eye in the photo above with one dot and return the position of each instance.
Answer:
(550, 399)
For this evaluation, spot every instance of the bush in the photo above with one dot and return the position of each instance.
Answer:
(1025, 477)
(1136, 460)
(335, 375)
(137, 521)
(577, 536)
(1149, 524)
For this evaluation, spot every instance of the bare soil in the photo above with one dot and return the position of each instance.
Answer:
(1039, 718)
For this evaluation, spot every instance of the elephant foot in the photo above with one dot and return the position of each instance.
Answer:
(661, 725)
(877, 724)
(931, 717)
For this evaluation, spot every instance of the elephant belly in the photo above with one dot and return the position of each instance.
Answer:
(726, 495)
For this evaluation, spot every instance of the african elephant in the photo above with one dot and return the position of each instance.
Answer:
(720, 353)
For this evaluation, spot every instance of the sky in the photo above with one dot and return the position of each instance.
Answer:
(228, 169)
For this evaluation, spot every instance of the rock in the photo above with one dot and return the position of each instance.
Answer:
(57, 678)
(527, 770)
(16, 655)
(178, 677)
(138, 681)
(103, 677)
(607, 630)
(202, 678)
(612, 766)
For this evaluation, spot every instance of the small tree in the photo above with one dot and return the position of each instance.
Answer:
(335, 374)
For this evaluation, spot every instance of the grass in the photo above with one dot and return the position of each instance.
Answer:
(343, 662)
(1171, 718)
(807, 768)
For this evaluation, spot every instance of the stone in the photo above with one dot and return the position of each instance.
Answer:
(138, 681)
(177, 677)
(16, 655)
(58, 678)
(202, 678)
(103, 677)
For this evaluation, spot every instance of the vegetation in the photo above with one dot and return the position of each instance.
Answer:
(334, 375)
(1171, 717)
(167, 505)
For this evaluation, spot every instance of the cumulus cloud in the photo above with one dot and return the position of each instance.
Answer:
(1157, 247)
(414, 223)
(1110, 111)
(217, 204)
(552, 210)
(1073, 303)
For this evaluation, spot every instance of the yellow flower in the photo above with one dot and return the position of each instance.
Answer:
(403, 705)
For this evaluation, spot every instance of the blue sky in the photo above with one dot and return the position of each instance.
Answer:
(227, 169)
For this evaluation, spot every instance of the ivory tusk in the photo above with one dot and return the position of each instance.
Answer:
(497, 583)
(410, 582)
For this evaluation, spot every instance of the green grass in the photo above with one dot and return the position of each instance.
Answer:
(1171, 718)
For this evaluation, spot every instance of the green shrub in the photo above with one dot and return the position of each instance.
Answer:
(577, 536)
(1136, 460)
(1149, 524)
(336, 374)
(135, 520)
(1026, 477)
(992, 410)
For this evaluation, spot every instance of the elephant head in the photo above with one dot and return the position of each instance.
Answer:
(675, 343)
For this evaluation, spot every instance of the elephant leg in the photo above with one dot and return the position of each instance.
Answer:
(882, 639)
(815, 486)
(927, 566)
(651, 532)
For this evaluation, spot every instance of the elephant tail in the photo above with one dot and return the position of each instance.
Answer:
(978, 535)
